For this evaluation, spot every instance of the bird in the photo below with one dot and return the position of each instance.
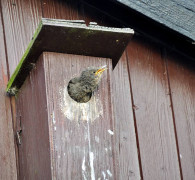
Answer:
(81, 88)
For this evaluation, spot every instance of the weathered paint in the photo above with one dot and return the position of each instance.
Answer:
(110, 132)
(91, 158)
(81, 128)
(15, 26)
(97, 139)
(109, 173)
(79, 38)
(75, 111)
(84, 168)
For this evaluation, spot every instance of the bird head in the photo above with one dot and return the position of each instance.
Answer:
(81, 88)
(93, 75)
(100, 70)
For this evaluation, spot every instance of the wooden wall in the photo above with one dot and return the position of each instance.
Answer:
(153, 89)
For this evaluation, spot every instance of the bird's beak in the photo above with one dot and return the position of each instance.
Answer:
(101, 70)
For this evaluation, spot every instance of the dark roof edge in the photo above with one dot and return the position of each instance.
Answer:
(127, 17)
(162, 20)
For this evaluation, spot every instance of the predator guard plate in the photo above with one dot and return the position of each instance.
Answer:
(70, 37)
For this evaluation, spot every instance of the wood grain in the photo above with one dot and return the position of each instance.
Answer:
(152, 107)
(182, 82)
(150, 94)
(60, 9)
(126, 147)
(72, 38)
(128, 168)
(21, 19)
(124, 123)
(32, 116)
(82, 145)
(7, 149)
(92, 14)
(144, 25)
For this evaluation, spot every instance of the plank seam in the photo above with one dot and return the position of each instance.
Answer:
(164, 57)
(42, 12)
(134, 116)
(10, 100)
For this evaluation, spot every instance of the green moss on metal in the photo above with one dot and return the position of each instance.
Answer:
(14, 75)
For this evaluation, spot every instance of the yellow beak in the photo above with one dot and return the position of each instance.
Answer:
(101, 70)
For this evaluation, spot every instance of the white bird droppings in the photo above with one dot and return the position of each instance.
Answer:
(84, 168)
(110, 132)
(104, 175)
(83, 165)
(91, 158)
(73, 110)
(180, 156)
(97, 139)
(109, 173)
(53, 115)
(55, 128)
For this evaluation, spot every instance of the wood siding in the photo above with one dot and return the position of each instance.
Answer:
(34, 149)
(81, 146)
(153, 93)
(7, 149)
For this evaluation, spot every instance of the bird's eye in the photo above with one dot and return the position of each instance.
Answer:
(93, 71)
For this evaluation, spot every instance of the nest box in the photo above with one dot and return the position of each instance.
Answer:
(58, 137)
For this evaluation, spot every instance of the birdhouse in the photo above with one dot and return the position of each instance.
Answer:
(58, 137)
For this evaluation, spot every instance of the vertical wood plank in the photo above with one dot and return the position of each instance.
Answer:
(21, 18)
(125, 131)
(91, 14)
(32, 114)
(182, 82)
(59, 9)
(152, 107)
(126, 148)
(82, 133)
(20, 21)
(7, 150)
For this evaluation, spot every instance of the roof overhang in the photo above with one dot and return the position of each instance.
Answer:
(71, 37)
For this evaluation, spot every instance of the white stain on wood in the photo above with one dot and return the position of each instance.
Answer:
(80, 111)
(91, 155)
(109, 173)
(53, 118)
(83, 164)
(97, 139)
(110, 132)
(84, 168)
(91, 158)
(104, 174)
(180, 156)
